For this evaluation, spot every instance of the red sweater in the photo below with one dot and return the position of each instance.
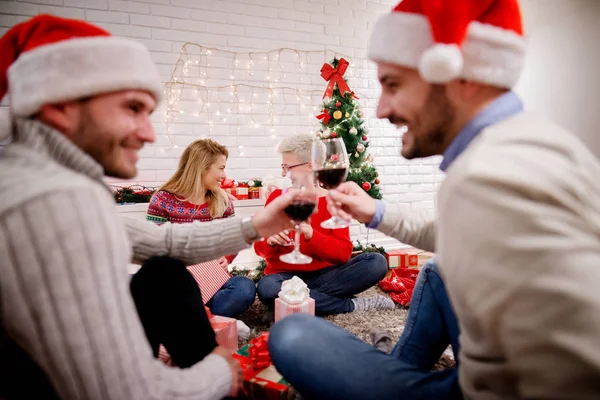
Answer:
(327, 247)
(166, 207)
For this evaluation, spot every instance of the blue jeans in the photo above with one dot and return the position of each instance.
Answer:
(235, 297)
(331, 287)
(323, 361)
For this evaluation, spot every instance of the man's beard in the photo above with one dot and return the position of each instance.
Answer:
(435, 118)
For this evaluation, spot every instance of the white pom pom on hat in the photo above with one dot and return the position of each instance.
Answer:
(445, 40)
(441, 63)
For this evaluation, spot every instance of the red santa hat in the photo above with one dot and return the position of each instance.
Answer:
(48, 60)
(478, 40)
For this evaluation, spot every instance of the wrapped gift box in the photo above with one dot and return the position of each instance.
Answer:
(402, 259)
(261, 379)
(254, 192)
(226, 330)
(283, 309)
(226, 334)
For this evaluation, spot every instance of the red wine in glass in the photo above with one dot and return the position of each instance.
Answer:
(331, 178)
(330, 163)
(299, 211)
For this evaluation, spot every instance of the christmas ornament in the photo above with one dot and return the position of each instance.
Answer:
(335, 158)
(347, 115)
(360, 114)
(250, 183)
(338, 104)
(325, 135)
(377, 181)
(353, 130)
(333, 135)
(355, 155)
(337, 114)
(360, 147)
(366, 186)
(365, 138)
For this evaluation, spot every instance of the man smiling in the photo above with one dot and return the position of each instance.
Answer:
(517, 237)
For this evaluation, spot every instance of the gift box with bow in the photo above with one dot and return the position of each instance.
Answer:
(293, 298)
(261, 379)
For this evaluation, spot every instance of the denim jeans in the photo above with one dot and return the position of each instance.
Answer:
(235, 297)
(332, 287)
(323, 361)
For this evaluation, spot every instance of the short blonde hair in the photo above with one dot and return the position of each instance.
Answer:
(301, 145)
(187, 180)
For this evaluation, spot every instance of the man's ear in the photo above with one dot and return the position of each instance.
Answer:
(461, 91)
(63, 117)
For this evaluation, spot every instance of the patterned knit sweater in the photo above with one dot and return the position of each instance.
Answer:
(64, 284)
(167, 207)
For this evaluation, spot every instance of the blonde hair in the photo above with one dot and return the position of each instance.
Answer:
(301, 145)
(187, 180)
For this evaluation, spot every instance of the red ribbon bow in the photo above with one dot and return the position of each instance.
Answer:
(324, 116)
(259, 351)
(336, 75)
(227, 183)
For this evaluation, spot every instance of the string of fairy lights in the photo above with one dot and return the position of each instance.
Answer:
(212, 90)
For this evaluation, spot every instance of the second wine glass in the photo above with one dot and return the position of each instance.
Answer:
(299, 211)
(330, 163)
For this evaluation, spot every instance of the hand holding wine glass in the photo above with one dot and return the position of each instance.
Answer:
(300, 210)
(330, 163)
(349, 201)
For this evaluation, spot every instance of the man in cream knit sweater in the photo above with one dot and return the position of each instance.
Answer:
(80, 103)
(518, 231)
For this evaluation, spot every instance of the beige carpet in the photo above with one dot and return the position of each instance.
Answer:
(358, 323)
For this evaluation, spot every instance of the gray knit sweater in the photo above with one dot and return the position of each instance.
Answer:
(64, 285)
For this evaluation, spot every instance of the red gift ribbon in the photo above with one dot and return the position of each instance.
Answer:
(325, 117)
(259, 351)
(336, 75)
(227, 183)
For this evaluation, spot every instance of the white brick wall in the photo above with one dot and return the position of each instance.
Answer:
(243, 26)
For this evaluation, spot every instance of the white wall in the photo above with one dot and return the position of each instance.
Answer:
(562, 75)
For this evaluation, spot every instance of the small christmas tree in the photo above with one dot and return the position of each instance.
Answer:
(341, 117)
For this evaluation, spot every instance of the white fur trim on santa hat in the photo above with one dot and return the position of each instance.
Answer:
(78, 68)
(441, 63)
(491, 55)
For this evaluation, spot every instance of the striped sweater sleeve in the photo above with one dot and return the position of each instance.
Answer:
(65, 299)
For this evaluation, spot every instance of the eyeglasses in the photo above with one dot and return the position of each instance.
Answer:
(286, 168)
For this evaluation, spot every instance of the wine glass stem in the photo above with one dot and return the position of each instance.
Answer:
(297, 239)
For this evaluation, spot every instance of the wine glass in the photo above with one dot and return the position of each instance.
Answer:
(330, 163)
(299, 211)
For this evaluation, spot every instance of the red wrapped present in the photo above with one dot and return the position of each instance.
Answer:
(400, 284)
(261, 379)
(402, 259)
(210, 277)
(254, 192)
(226, 334)
(293, 298)
(242, 191)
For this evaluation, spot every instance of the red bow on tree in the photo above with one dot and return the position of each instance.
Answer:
(336, 75)
(259, 351)
(324, 116)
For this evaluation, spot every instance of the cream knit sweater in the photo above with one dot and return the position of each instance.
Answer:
(518, 242)
(64, 285)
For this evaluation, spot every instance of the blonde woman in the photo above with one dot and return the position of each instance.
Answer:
(192, 194)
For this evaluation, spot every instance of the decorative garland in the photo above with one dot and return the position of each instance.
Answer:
(255, 274)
